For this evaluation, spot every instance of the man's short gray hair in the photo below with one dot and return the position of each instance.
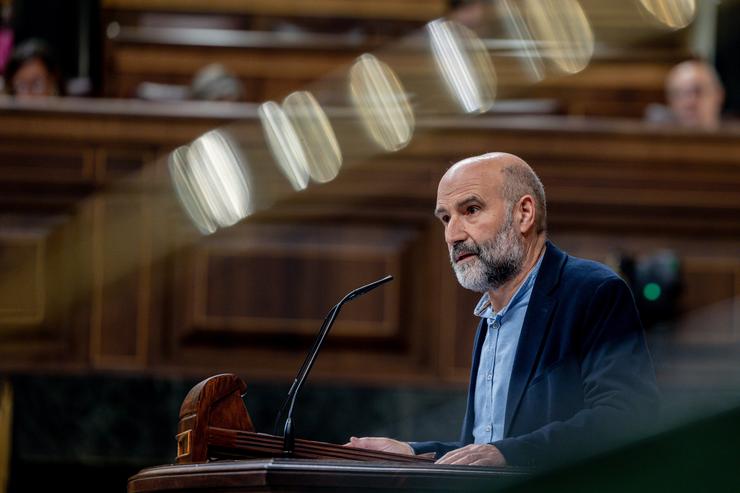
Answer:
(520, 180)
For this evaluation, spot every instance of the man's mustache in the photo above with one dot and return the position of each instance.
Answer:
(464, 248)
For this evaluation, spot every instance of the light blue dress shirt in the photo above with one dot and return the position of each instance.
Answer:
(497, 359)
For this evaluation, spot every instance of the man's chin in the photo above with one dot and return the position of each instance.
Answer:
(466, 281)
(474, 287)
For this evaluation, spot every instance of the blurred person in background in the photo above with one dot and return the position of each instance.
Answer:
(695, 95)
(210, 83)
(474, 14)
(214, 83)
(6, 36)
(33, 71)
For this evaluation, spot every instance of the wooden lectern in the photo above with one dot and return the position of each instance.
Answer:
(218, 450)
(215, 424)
(296, 475)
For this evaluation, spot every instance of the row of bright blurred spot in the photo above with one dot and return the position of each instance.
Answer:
(212, 176)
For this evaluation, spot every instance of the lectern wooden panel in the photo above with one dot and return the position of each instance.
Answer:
(291, 475)
(215, 424)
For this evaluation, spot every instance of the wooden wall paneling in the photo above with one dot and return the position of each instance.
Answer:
(51, 160)
(162, 212)
(265, 291)
(610, 87)
(609, 183)
(118, 165)
(710, 301)
(24, 293)
(284, 279)
(259, 68)
(121, 232)
(41, 276)
(61, 124)
(119, 318)
(30, 163)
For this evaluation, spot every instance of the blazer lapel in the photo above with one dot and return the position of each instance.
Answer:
(536, 325)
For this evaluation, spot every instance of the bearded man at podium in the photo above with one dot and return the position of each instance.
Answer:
(560, 365)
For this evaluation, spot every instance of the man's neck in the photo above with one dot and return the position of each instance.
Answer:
(500, 297)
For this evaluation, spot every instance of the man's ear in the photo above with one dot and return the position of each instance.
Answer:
(527, 213)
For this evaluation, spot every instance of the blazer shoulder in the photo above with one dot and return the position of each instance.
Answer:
(587, 274)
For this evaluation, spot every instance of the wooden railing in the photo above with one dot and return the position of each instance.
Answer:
(271, 65)
(626, 74)
(374, 9)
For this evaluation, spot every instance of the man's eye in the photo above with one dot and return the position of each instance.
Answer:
(473, 209)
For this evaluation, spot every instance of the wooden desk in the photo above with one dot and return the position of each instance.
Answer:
(287, 475)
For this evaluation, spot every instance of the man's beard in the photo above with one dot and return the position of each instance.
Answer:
(496, 260)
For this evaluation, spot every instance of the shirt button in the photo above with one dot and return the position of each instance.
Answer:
(488, 429)
(489, 377)
(496, 325)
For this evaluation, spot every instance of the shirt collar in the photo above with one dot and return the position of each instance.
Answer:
(484, 309)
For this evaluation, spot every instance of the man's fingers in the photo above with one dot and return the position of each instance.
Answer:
(487, 460)
(466, 459)
(461, 461)
(484, 462)
(382, 444)
(473, 455)
(358, 442)
(451, 457)
(352, 442)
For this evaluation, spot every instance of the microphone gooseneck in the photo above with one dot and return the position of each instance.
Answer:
(295, 388)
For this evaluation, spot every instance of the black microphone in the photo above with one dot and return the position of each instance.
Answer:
(289, 429)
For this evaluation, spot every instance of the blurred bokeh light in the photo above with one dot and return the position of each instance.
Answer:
(285, 145)
(562, 27)
(379, 98)
(675, 14)
(465, 65)
(210, 181)
(320, 147)
(517, 29)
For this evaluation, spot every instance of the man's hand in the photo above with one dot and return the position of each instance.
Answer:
(474, 455)
(382, 444)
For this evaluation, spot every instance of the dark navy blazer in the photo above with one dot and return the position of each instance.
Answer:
(582, 379)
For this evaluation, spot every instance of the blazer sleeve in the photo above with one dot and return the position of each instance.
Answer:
(439, 448)
(619, 389)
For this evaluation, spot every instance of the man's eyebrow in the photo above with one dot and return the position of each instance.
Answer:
(466, 201)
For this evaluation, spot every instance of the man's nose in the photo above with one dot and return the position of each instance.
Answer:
(455, 232)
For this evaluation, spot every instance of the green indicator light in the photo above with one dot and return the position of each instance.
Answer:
(651, 291)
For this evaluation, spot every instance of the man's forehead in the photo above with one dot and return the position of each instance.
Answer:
(461, 187)
(464, 185)
(470, 175)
